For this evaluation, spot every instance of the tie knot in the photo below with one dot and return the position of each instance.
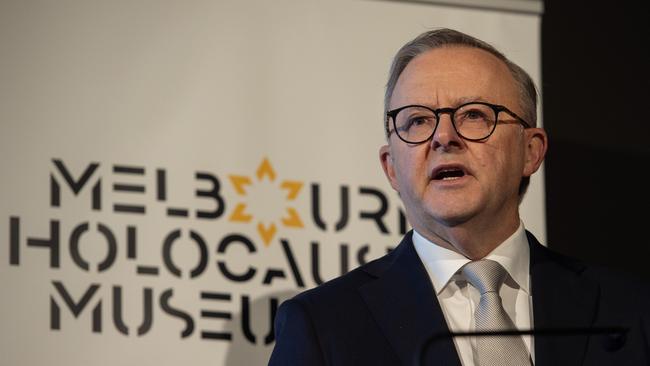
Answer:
(485, 275)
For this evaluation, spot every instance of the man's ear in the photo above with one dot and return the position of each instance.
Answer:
(387, 164)
(536, 145)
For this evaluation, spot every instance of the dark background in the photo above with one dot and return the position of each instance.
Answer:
(596, 109)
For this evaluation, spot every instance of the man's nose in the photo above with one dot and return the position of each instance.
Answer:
(445, 135)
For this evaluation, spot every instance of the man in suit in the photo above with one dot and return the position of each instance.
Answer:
(462, 143)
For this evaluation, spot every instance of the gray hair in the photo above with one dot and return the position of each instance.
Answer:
(444, 37)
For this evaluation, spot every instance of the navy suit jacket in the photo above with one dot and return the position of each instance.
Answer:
(386, 312)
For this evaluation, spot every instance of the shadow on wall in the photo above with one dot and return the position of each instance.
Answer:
(252, 330)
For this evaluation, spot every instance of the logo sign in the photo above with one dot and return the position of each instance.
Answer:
(262, 202)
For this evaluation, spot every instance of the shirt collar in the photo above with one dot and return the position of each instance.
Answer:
(441, 263)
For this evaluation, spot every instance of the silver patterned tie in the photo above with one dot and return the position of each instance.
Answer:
(487, 276)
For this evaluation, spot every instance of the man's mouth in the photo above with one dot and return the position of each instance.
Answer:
(448, 173)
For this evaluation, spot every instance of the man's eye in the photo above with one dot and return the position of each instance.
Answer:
(473, 114)
(417, 121)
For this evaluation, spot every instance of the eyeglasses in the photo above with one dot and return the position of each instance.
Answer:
(475, 121)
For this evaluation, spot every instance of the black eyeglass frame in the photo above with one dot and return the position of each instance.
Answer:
(451, 111)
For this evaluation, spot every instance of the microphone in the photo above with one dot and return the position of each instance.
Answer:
(615, 337)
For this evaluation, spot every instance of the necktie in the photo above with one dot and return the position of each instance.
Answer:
(487, 276)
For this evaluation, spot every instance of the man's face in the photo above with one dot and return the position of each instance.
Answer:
(487, 190)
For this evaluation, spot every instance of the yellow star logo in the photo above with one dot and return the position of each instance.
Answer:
(266, 228)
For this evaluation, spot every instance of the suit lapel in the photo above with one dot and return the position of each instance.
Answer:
(403, 303)
(562, 299)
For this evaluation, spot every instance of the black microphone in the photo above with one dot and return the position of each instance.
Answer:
(615, 337)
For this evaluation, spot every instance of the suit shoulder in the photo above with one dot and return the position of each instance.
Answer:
(343, 291)
(340, 287)
(345, 287)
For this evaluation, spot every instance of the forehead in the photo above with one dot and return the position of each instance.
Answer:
(454, 74)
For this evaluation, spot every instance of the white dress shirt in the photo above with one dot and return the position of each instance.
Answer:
(458, 299)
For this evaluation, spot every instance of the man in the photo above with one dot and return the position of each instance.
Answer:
(462, 145)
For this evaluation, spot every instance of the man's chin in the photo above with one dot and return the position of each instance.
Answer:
(450, 216)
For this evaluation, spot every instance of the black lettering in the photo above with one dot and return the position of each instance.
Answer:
(379, 214)
(76, 308)
(167, 308)
(147, 311)
(223, 245)
(131, 242)
(110, 240)
(161, 185)
(345, 261)
(315, 263)
(361, 254)
(14, 240)
(246, 321)
(272, 273)
(403, 224)
(212, 193)
(292, 263)
(128, 187)
(345, 209)
(210, 314)
(76, 186)
(52, 243)
(147, 270)
(316, 208)
(203, 253)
